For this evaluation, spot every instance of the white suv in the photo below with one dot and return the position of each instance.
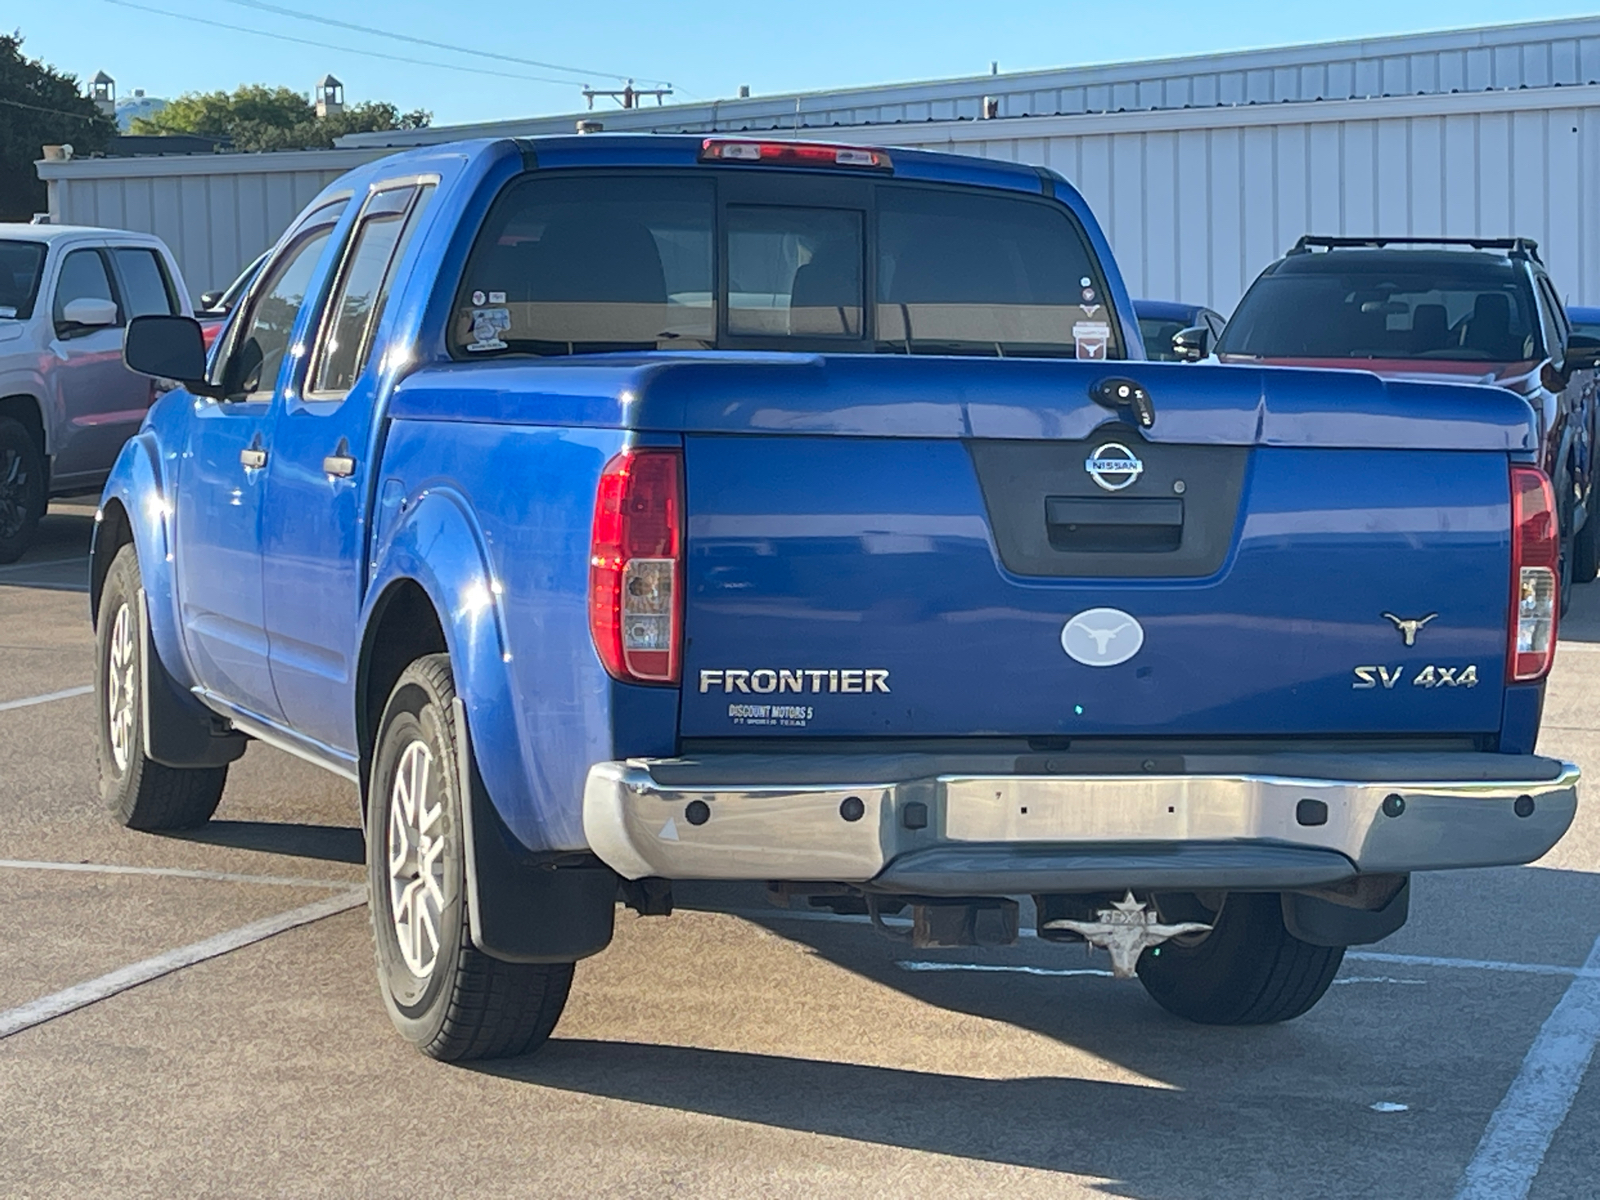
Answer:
(67, 404)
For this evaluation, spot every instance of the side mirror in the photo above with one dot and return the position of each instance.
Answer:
(211, 299)
(1583, 352)
(1192, 344)
(90, 313)
(169, 348)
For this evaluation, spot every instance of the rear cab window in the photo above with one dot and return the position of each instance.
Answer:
(594, 262)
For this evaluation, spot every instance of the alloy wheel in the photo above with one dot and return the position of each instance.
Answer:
(13, 493)
(416, 859)
(121, 688)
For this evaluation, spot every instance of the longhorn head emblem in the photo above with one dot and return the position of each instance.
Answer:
(1408, 626)
(1102, 637)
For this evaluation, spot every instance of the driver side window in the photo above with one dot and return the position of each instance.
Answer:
(83, 277)
(258, 348)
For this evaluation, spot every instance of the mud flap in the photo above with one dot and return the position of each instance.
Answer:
(179, 731)
(521, 907)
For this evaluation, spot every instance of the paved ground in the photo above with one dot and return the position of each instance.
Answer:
(732, 1050)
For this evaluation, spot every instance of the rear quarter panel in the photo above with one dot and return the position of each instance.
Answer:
(495, 523)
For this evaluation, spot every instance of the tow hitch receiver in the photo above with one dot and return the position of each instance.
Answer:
(1127, 929)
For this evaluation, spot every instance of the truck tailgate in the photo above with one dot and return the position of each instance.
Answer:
(1276, 553)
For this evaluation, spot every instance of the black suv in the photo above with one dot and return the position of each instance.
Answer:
(1479, 310)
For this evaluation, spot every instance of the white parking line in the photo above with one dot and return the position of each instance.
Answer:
(1589, 970)
(81, 995)
(1520, 1131)
(994, 968)
(21, 864)
(68, 694)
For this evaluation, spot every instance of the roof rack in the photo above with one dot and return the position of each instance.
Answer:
(1516, 247)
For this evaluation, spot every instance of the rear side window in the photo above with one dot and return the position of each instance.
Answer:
(1158, 333)
(146, 289)
(380, 240)
(983, 273)
(591, 264)
(21, 264)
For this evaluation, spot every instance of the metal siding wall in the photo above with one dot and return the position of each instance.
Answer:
(1194, 204)
(214, 223)
(1195, 214)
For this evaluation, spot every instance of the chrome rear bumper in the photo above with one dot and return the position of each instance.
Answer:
(968, 834)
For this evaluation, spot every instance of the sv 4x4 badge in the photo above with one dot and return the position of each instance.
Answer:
(1429, 677)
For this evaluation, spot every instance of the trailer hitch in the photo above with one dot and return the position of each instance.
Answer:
(1127, 929)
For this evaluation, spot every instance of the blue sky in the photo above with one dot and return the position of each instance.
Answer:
(704, 48)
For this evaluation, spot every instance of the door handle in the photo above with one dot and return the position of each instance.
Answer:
(340, 466)
(253, 459)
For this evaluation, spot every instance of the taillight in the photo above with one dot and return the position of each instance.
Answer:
(636, 566)
(1535, 581)
(794, 154)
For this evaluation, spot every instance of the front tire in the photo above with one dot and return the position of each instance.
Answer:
(445, 996)
(1249, 970)
(1586, 548)
(22, 489)
(142, 793)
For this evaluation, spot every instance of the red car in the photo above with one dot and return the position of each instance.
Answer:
(214, 307)
(1455, 310)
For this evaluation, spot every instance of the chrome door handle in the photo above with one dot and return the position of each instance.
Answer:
(340, 466)
(253, 459)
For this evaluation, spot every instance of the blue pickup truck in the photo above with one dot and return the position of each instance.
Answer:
(622, 510)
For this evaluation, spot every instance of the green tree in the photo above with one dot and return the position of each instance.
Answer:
(39, 106)
(256, 117)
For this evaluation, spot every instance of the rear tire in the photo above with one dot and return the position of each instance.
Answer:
(445, 996)
(23, 495)
(141, 793)
(1249, 970)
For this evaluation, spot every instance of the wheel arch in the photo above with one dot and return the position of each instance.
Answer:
(112, 531)
(27, 410)
(438, 546)
(403, 626)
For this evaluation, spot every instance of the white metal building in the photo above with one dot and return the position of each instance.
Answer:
(1201, 169)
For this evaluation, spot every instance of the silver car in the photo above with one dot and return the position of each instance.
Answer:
(67, 404)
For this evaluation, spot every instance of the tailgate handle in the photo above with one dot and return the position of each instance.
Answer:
(1108, 526)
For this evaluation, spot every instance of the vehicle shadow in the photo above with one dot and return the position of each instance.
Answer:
(1175, 1110)
(1582, 620)
(58, 559)
(327, 843)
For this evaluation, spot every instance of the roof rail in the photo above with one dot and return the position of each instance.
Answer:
(1516, 247)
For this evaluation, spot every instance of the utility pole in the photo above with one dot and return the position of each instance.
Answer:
(627, 96)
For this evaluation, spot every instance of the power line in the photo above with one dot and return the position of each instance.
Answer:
(54, 112)
(284, 37)
(417, 41)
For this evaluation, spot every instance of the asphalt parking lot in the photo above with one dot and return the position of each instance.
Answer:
(731, 1049)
